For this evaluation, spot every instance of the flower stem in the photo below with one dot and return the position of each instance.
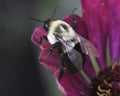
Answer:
(85, 76)
(94, 62)
(108, 53)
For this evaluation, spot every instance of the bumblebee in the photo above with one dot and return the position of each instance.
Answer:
(71, 46)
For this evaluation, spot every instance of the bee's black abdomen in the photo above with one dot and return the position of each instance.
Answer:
(73, 70)
(61, 74)
(69, 65)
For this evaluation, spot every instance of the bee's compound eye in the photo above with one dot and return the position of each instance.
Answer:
(46, 27)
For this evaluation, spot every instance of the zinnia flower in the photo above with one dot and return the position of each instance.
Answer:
(100, 24)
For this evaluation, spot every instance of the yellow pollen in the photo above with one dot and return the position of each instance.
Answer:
(106, 83)
(103, 92)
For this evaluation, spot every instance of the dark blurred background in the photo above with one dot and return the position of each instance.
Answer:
(20, 72)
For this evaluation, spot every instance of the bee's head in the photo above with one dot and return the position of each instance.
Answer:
(45, 25)
(46, 22)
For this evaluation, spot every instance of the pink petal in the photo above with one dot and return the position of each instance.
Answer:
(114, 12)
(37, 34)
(52, 62)
(89, 68)
(95, 15)
(72, 84)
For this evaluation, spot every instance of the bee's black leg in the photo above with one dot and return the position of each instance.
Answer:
(74, 24)
(41, 38)
(61, 74)
(63, 56)
(52, 48)
(84, 59)
(45, 37)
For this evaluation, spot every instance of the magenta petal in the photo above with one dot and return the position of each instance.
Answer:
(52, 62)
(95, 15)
(37, 34)
(89, 68)
(114, 9)
(72, 84)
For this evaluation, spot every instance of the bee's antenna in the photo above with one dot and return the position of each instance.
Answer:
(54, 12)
(74, 10)
(47, 19)
(36, 19)
(74, 19)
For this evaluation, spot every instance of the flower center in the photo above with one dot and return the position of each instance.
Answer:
(107, 82)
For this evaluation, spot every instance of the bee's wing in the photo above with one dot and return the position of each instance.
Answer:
(74, 56)
(88, 47)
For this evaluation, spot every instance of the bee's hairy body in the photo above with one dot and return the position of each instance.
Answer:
(67, 34)
(69, 44)
(65, 31)
(72, 47)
